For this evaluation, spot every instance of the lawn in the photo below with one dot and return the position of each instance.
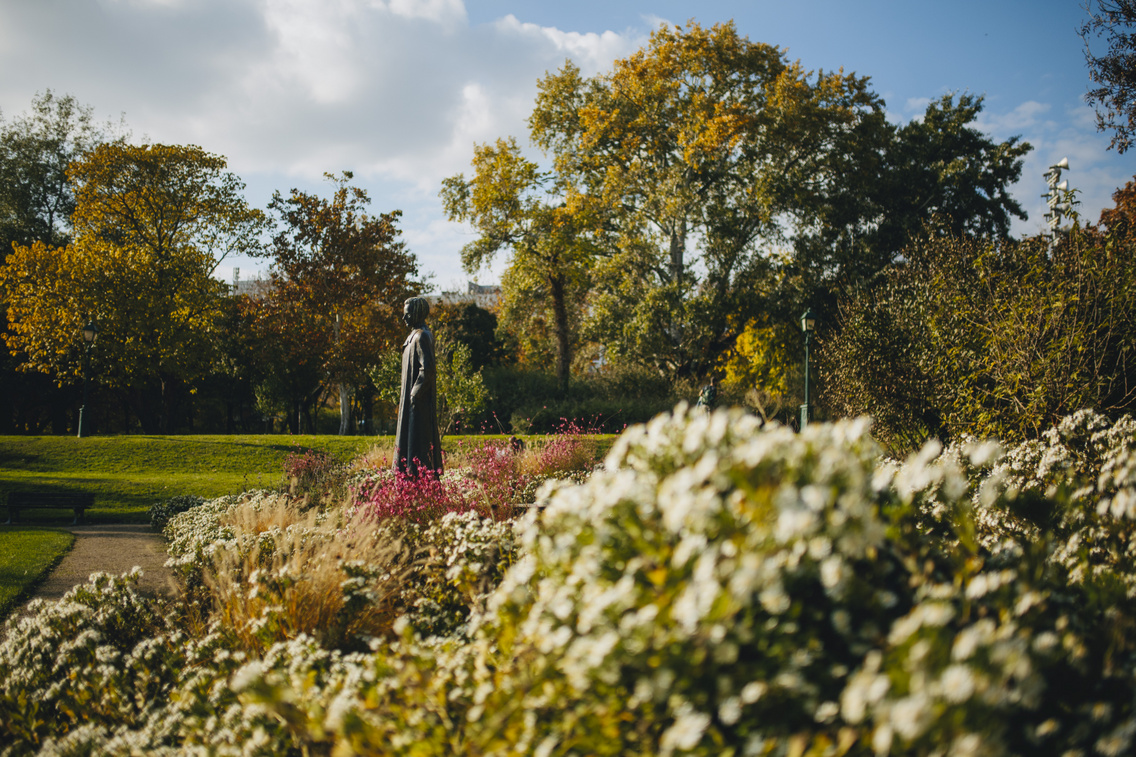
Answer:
(26, 555)
(128, 474)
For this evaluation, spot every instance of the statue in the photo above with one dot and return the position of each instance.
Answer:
(708, 396)
(418, 445)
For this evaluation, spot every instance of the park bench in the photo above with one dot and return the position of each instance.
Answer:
(75, 501)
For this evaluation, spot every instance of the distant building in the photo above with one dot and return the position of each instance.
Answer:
(252, 287)
(486, 296)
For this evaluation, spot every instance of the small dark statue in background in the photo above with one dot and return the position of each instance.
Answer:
(418, 447)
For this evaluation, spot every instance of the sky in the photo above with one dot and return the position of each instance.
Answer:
(399, 91)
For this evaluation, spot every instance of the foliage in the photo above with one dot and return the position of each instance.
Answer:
(151, 225)
(418, 499)
(716, 587)
(524, 401)
(26, 557)
(694, 152)
(96, 657)
(471, 325)
(343, 275)
(514, 205)
(1112, 73)
(161, 512)
(36, 199)
(990, 339)
(720, 588)
(314, 477)
(462, 395)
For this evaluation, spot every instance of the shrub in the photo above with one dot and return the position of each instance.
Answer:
(389, 494)
(161, 512)
(315, 477)
(990, 339)
(100, 656)
(718, 588)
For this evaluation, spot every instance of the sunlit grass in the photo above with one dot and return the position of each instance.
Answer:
(26, 555)
(128, 474)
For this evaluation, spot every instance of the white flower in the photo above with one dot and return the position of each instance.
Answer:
(957, 683)
(686, 731)
(910, 716)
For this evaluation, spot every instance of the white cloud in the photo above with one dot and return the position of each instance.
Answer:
(438, 11)
(397, 91)
(1024, 117)
(591, 52)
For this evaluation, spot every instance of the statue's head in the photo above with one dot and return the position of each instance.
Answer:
(414, 312)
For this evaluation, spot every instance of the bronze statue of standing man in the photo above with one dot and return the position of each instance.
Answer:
(418, 445)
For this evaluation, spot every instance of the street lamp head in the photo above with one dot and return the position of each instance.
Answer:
(808, 321)
(90, 331)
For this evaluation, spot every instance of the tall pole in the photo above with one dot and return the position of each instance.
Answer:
(808, 324)
(90, 331)
(86, 382)
(805, 407)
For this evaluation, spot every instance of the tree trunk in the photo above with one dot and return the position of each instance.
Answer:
(344, 409)
(678, 252)
(367, 409)
(294, 418)
(560, 317)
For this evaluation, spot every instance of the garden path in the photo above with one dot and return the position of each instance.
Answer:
(112, 548)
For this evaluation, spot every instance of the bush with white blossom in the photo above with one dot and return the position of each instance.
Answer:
(715, 588)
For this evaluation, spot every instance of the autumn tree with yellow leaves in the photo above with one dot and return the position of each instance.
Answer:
(150, 226)
(519, 208)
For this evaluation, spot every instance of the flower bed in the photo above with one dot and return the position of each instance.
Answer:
(715, 588)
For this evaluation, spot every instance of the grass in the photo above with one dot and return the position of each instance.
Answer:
(128, 474)
(26, 555)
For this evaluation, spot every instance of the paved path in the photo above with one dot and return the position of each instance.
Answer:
(112, 548)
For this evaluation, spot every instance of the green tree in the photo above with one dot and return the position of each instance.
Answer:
(993, 338)
(516, 206)
(36, 198)
(462, 395)
(151, 224)
(349, 271)
(698, 153)
(471, 325)
(1113, 73)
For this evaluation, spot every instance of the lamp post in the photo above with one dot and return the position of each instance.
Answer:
(90, 331)
(808, 325)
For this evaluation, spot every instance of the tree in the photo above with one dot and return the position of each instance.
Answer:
(151, 224)
(993, 338)
(469, 324)
(1114, 72)
(516, 206)
(350, 273)
(462, 395)
(36, 199)
(697, 154)
(36, 202)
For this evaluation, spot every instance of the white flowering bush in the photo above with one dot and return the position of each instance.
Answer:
(98, 657)
(723, 589)
(161, 512)
(717, 587)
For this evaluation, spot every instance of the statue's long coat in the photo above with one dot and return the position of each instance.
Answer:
(418, 443)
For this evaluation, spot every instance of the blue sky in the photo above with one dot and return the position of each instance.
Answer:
(398, 91)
